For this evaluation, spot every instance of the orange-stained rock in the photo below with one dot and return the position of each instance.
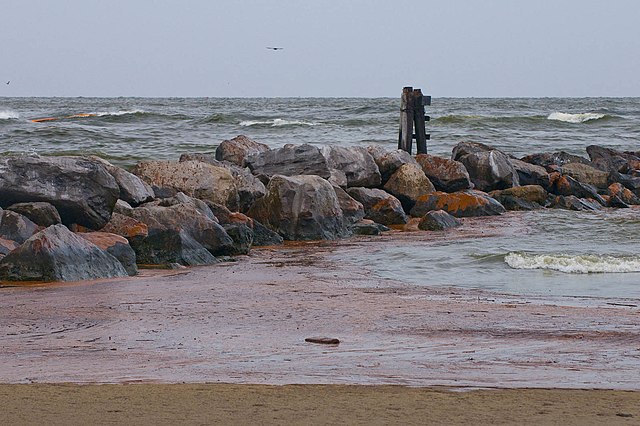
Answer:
(7, 246)
(126, 226)
(379, 206)
(528, 197)
(446, 175)
(459, 204)
(117, 246)
(617, 190)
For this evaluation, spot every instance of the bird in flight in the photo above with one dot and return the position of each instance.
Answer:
(275, 48)
(8, 81)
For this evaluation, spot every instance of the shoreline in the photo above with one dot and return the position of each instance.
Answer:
(246, 322)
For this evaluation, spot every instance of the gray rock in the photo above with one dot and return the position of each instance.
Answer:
(611, 160)
(301, 208)
(357, 164)
(489, 169)
(238, 226)
(521, 198)
(194, 178)
(584, 173)
(117, 246)
(238, 149)
(379, 206)
(40, 213)
(446, 175)
(57, 254)
(16, 227)
(263, 236)
(571, 202)
(530, 174)
(201, 156)
(407, 184)
(560, 158)
(368, 227)
(566, 185)
(389, 161)
(352, 210)
(81, 189)
(438, 220)
(290, 160)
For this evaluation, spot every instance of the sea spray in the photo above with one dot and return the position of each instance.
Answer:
(574, 264)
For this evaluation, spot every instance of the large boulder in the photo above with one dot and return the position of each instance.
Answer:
(133, 190)
(81, 189)
(57, 254)
(566, 185)
(194, 178)
(611, 160)
(438, 220)
(630, 182)
(237, 150)
(356, 162)
(459, 204)
(301, 208)
(125, 226)
(237, 225)
(379, 206)
(560, 158)
(530, 174)
(407, 184)
(446, 175)
(352, 210)
(7, 246)
(263, 236)
(117, 246)
(489, 169)
(290, 160)
(522, 198)
(16, 227)
(620, 194)
(389, 161)
(179, 233)
(40, 213)
(571, 202)
(586, 174)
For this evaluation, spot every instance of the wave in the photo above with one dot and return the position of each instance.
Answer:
(277, 122)
(118, 113)
(8, 115)
(462, 119)
(574, 264)
(577, 118)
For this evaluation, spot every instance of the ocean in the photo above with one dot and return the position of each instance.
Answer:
(558, 253)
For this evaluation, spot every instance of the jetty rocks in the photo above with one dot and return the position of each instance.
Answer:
(65, 218)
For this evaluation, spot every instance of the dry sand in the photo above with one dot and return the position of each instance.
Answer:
(246, 322)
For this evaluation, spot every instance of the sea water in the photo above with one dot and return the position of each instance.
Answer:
(558, 252)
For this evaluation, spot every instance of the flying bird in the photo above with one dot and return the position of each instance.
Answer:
(275, 48)
(8, 81)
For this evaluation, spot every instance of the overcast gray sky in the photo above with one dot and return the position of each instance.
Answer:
(491, 48)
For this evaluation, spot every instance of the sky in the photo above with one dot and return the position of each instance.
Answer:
(341, 48)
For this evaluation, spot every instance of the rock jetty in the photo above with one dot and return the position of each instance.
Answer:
(78, 218)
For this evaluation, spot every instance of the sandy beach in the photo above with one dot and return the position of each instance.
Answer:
(245, 322)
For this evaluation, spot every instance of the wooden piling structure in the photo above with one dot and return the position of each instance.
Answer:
(412, 116)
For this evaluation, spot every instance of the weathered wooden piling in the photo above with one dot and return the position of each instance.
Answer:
(412, 116)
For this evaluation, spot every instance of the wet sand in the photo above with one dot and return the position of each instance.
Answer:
(245, 322)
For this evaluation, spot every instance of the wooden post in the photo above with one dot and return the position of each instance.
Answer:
(419, 121)
(405, 138)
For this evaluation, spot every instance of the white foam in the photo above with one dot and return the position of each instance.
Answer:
(277, 122)
(574, 264)
(575, 118)
(118, 113)
(6, 114)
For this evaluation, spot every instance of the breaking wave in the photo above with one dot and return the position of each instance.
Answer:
(118, 113)
(8, 115)
(276, 122)
(576, 118)
(574, 264)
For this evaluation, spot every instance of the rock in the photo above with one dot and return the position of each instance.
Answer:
(57, 254)
(624, 195)
(125, 226)
(521, 198)
(560, 158)
(446, 175)
(117, 246)
(263, 236)
(438, 220)
(182, 198)
(628, 181)
(180, 233)
(407, 184)
(530, 174)
(194, 178)
(338, 178)
(584, 173)
(40, 213)
(357, 164)
(7, 246)
(489, 169)
(238, 149)
(201, 156)
(610, 160)
(459, 204)
(566, 185)
(238, 226)
(368, 227)
(16, 227)
(290, 160)
(389, 161)
(122, 207)
(133, 190)
(571, 202)
(81, 189)
(323, 340)
(379, 206)
(352, 210)
(301, 208)
(250, 188)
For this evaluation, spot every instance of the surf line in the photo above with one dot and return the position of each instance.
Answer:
(40, 120)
